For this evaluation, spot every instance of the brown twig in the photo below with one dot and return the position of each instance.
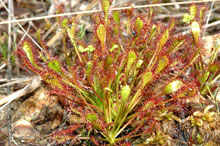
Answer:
(9, 68)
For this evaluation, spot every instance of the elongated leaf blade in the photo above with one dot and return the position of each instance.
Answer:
(139, 24)
(101, 32)
(147, 77)
(28, 51)
(193, 11)
(105, 6)
(163, 39)
(116, 17)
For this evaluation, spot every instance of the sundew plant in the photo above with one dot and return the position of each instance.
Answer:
(126, 77)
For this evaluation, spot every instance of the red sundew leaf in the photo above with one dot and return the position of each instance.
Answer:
(139, 24)
(131, 59)
(105, 7)
(52, 80)
(147, 77)
(101, 32)
(171, 24)
(163, 62)
(67, 131)
(116, 17)
(193, 11)
(28, 51)
(163, 39)
(152, 32)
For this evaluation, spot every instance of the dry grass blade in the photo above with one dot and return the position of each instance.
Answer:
(27, 89)
(16, 81)
(2, 66)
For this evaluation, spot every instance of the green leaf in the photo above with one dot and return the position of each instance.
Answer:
(196, 31)
(55, 65)
(71, 32)
(201, 14)
(116, 17)
(3, 49)
(213, 68)
(163, 39)
(172, 24)
(152, 32)
(64, 23)
(101, 32)
(28, 51)
(162, 64)
(38, 35)
(90, 48)
(105, 6)
(204, 77)
(131, 58)
(187, 18)
(200, 139)
(139, 24)
(81, 49)
(52, 80)
(147, 77)
(173, 86)
(91, 117)
(193, 10)
(125, 92)
(97, 126)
